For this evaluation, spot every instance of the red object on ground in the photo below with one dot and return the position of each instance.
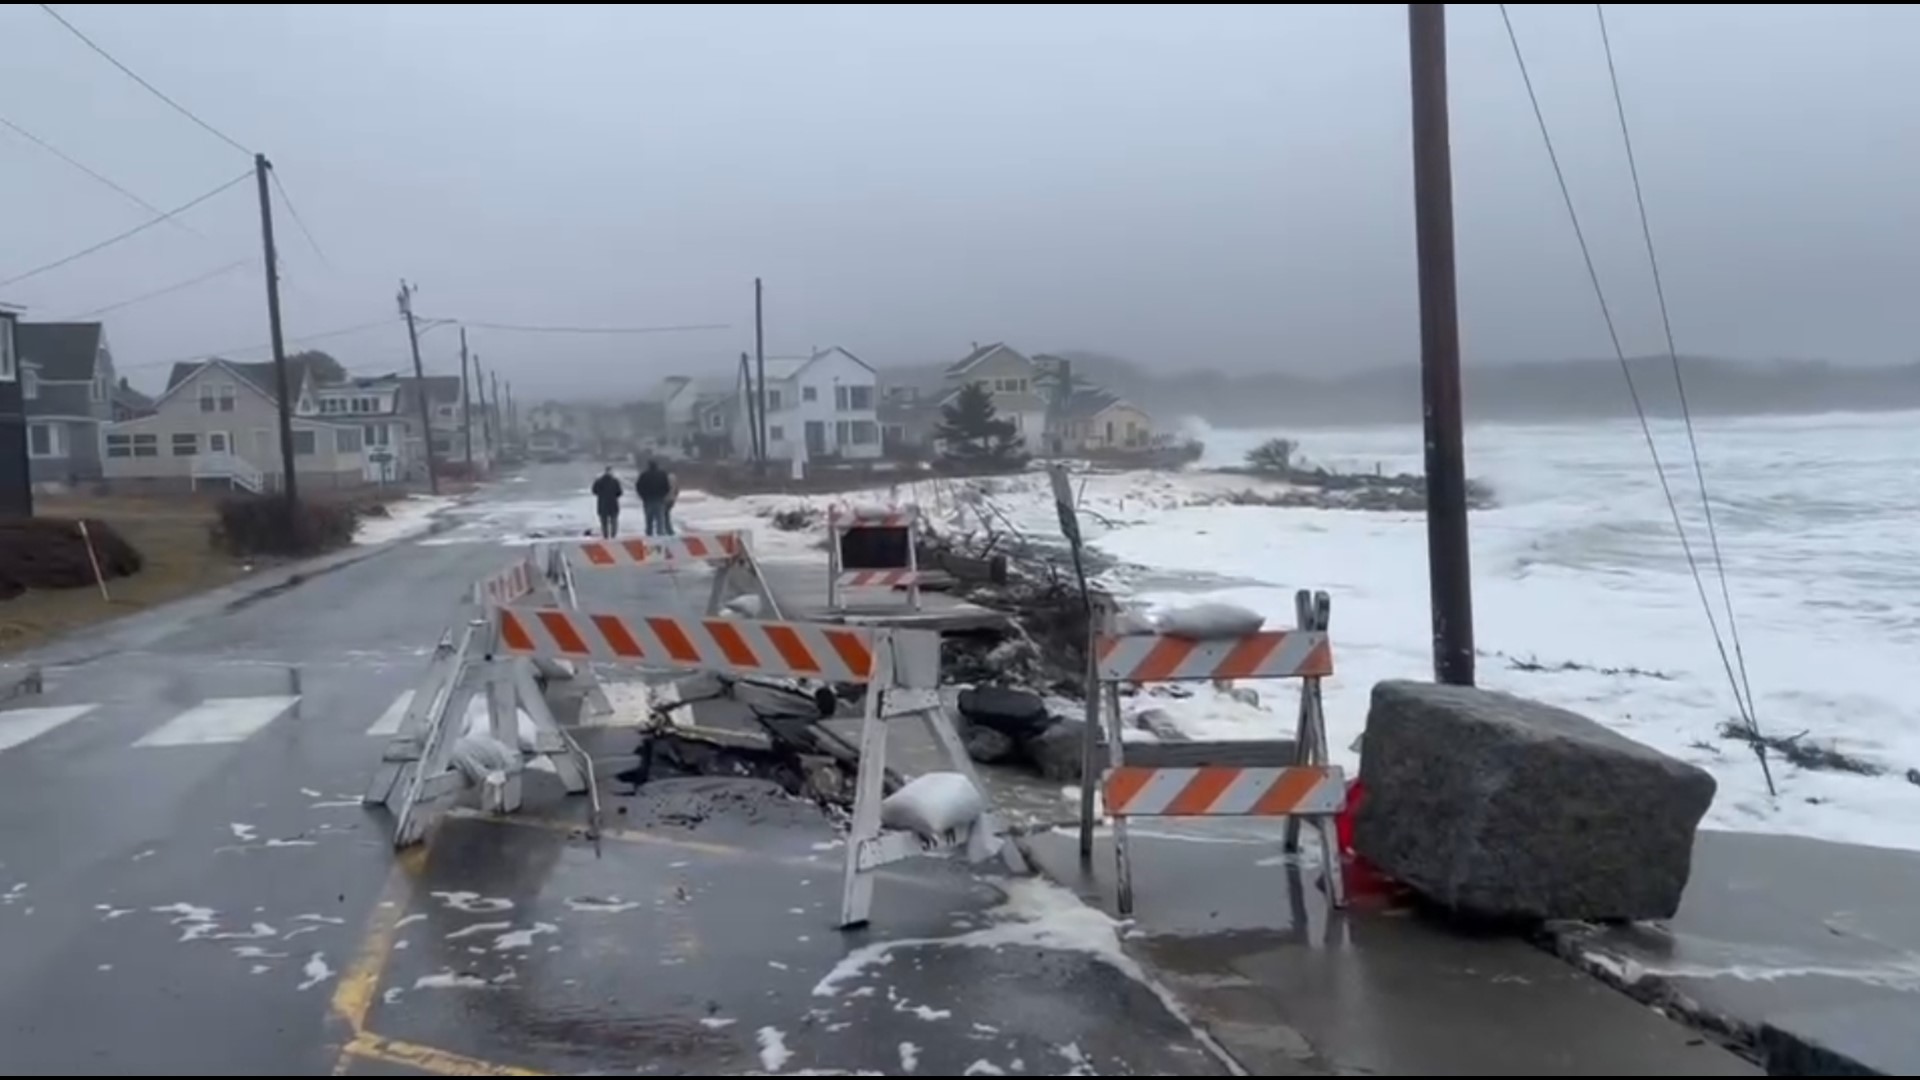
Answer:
(1343, 825)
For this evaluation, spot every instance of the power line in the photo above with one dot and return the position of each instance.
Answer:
(323, 335)
(523, 328)
(136, 230)
(83, 167)
(294, 212)
(155, 294)
(150, 88)
(1646, 427)
(1673, 355)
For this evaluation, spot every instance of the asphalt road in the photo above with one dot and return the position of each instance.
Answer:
(189, 885)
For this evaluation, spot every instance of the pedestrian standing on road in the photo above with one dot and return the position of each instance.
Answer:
(606, 497)
(654, 487)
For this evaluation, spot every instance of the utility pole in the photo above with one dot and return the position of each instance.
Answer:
(1448, 556)
(513, 410)
(486, 422)
(289, 486)
(420, 387)
(760, 365)
(753, 413)
(466, 402)
(499, 417)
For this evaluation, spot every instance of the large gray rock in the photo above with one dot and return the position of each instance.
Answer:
(1020, 714)
(1499, 807)
(1057, 751)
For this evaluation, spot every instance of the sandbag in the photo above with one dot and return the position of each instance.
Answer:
(933, 805)
(1209, 621)
(479, 756)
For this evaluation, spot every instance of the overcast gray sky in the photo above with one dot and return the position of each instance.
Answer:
(1192, 185)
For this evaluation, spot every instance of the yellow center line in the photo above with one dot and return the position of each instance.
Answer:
(354, 994)
(427, 1059)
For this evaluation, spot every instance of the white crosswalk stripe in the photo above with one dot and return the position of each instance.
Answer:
(20, 725)
(219, 720)
(389, 722)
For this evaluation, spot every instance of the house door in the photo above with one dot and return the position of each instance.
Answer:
(816, 438)
(219, 442)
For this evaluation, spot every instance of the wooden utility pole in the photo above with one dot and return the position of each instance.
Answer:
(760, 365)
(754, 449)
(1448, 557)
(513, 411)
(486, 418)
(499, 414)
(289, 485)
(420, 387)
(466, 402)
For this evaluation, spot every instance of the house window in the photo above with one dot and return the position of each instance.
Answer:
(809, 393)
(715, 420)
(842, 433)
(29, 385)
(377, 435)
(98, 390)
(216, 398)
(776, 433)
(347, 440)
(865, 433)
(860, 398)
(46, 441)
(305, 444)
(773, 401)
(133, 446)
(1010, 386)
(185, 444)
(7, 370)
(446, 412)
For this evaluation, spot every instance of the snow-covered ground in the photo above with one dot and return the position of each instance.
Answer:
(1581, 589)
(406, 518)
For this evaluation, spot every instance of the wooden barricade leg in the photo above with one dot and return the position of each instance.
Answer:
(856, 897)
(405, 746)
(833, 559)
(913, 560)
(1116, 757)
(434, 784)
(1090, 767)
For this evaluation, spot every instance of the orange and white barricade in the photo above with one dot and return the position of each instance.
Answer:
(1252, 778)
(419, 775)
(841, 520)
(735, 572)
(899, 668)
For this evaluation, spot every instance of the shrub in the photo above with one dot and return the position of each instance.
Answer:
(263, 525)
(1273, 456)
(49, 553)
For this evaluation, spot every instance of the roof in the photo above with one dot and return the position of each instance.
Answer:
(64, 352)
(259, 376)
(1089, 402)
(127, 397)
(979, 353)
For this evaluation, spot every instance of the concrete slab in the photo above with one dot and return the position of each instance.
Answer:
(1807, 950)
(1244, 937)
(701, 943)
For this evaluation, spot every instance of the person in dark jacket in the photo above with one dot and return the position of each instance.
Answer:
(606, 497)
(655, 488)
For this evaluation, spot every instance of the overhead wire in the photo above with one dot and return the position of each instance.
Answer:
(149, 87)
(301, 339)
(135, 231)
(294, 212)
(177, 286)
(524, 328)
(1639, 408)
(99, 177)
(1673, 355)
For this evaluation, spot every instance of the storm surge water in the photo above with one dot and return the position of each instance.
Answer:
(1583, 596)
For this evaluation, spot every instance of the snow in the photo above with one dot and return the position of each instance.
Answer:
(1582, 594)
(774, 1054)
(409, 517)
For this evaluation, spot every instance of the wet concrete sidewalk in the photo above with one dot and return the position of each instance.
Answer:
(1807, 951)
(700, 941)
(1245, 939)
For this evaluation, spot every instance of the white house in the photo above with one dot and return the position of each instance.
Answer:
(218, 425)
(825, 405)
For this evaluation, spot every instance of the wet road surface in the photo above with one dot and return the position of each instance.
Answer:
(188, 884)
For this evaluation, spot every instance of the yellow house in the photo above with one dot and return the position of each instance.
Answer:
(1096, 419)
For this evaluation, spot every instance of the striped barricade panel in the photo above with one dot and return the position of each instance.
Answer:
(506, 586)
(1225, 791)
(1269, 654)
(880, 579)
(659, 550)
(819, 651)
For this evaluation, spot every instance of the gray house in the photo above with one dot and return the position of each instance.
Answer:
(66, 385)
